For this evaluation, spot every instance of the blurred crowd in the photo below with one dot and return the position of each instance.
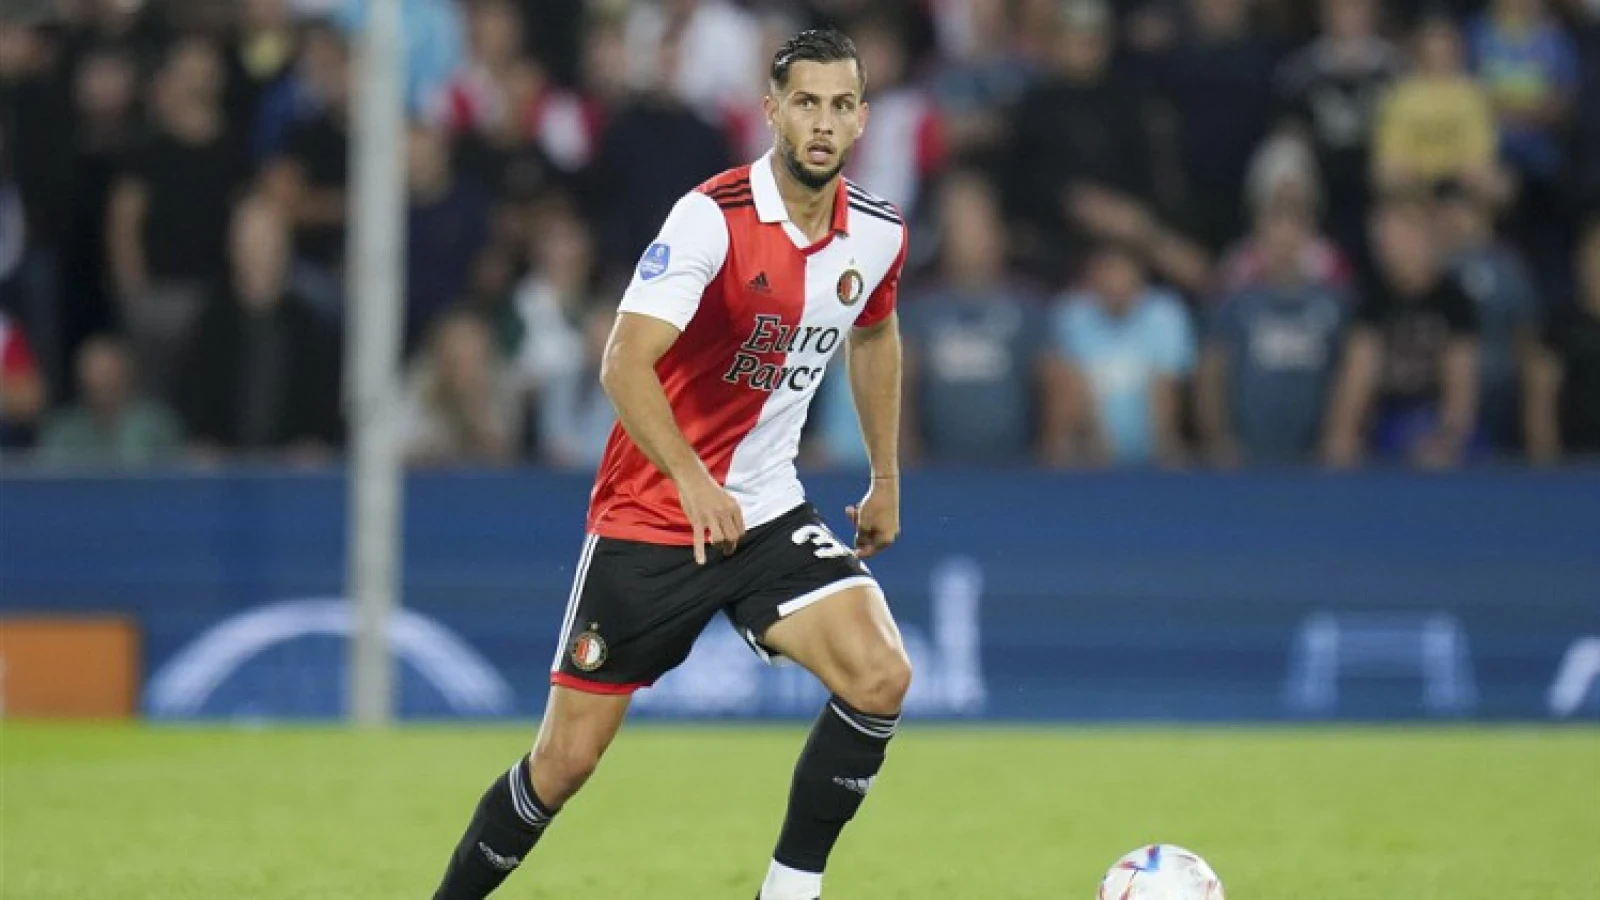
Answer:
(1144, 232)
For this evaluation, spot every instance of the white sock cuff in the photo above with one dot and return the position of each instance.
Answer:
(784, 883)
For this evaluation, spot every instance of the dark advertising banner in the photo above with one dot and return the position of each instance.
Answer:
(1022, 596)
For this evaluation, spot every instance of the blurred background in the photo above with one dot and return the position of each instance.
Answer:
(1153, 242)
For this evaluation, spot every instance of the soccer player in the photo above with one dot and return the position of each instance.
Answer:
(757, 278)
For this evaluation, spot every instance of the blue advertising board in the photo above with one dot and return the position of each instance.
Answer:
(1023, 596)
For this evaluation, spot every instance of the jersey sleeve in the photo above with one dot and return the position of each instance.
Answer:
(887, 294)
(674, 271)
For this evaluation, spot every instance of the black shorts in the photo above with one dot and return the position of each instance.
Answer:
(636, 609)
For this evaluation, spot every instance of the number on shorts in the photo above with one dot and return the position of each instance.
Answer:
(828, 546)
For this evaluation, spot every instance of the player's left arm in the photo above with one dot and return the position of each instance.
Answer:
(874, 355)
(875, 360)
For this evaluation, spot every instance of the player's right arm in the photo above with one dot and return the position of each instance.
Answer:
(628, 373)
(661, 299)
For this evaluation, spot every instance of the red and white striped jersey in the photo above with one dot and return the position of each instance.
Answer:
(761, 313)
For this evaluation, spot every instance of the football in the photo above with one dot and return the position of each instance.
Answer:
(1160, 872)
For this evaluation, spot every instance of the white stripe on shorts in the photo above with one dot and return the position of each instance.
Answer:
(789, 607)
(578, 578)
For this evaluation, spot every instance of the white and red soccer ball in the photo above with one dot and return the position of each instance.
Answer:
(1160, 872)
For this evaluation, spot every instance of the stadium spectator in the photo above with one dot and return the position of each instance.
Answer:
(1106, 216)
(112, 424)
(654, 148)
(1271, 350)
(1408, 380)
(575, 415)
(1131, 347)
(310, 175)
(447, 230)
(515, 170)
(1436, 124)
(22, 388)
(481, 93)
(1328, 94)
(702, 51)
(981, 81)
(1139, 143)
(36, 158)
(461, 404)
(516, 132)
(1283, 174)
(1563, 377)
(902, 149)
(980, 378)
(605, 63)
(515, 174)
(1508, 306)
(432, 38)
(744, 120)
(315, 78)
(261, 52)
(170, 209)
(260, 375)
(106, 122)
(556, 32)
(1529, 65)
(1079, 128)
(1218, 80)
(553, 301)
(501, 92)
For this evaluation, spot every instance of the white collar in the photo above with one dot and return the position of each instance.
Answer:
(769, 203)
(764, 186)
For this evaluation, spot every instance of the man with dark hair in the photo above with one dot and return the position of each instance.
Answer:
(1408, 381)
(756, 277)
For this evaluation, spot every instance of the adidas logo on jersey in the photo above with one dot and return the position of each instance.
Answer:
(759, 284)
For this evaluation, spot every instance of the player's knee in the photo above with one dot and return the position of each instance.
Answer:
(879, 684)
(560, 767)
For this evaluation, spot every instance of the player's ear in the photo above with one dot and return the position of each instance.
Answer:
(769, 108)
(861, 119)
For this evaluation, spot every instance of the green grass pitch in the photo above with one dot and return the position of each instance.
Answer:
(118, 813)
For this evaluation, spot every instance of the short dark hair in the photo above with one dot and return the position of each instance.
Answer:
(821, 45)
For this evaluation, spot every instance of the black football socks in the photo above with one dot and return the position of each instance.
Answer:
(509, 820)
(834, 773)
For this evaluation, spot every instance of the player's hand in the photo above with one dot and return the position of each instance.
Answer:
(877, 519)
(713, 514)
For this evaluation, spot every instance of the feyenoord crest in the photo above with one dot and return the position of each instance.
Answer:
(589, 652)
(850, 286)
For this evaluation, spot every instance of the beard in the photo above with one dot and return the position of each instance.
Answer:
(798, 170)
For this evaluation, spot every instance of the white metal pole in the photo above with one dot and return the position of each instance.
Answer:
(375, 288)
